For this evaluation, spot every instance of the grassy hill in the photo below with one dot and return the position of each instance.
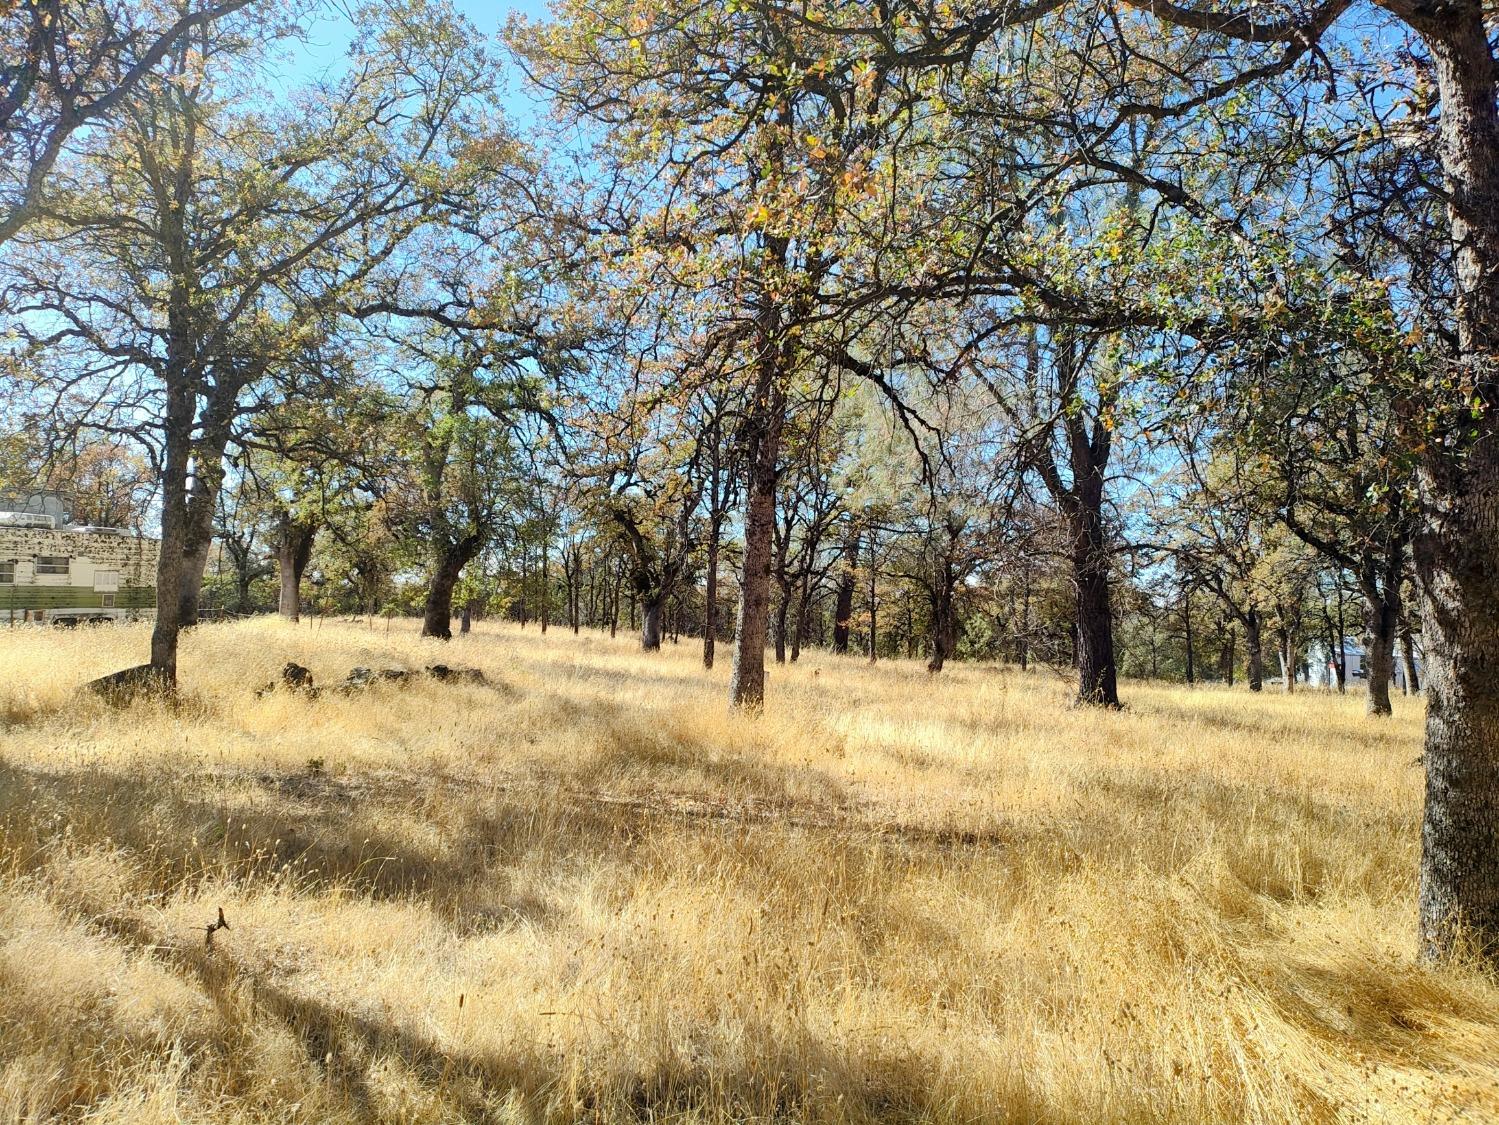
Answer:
(586, 890)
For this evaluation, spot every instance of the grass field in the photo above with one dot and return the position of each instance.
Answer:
(589, 892)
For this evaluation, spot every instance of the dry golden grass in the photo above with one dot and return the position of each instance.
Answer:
(590, 892)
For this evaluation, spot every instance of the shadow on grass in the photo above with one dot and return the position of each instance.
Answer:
(634, 743)
(779, 1079)
(180, 831)
(308, 831)
(343, 1046)
(772, 1079)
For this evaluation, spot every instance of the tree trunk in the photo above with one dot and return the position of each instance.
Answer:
(544, 604)
(1254, 650)
(197, 539)
(843, 612)
(799, 625)
(203, 497)
(1286, 650)
(466, 622)
(293, 549)
(1408, 657)
(874, 632)
(437, 620)
(194, 568)
(1459, 896)
(179, 424)
(944, 623)
(783, 611)
(710, 600)
(525, 587)
(1025, 619)
(747, 682)
(208, 476)
(1338, 651)
(242, 554)
(1342, 649)
(1187, 620)
(1381, 621)
(619, 576)
(1457, 547)
(1081, 500)
(650, 621)
(574, 587)
(1096, 676)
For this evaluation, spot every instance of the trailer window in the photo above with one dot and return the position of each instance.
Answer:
(52, 564)
(7, 572)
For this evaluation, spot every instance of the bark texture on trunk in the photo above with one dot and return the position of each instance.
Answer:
(650, 622)
(613, 603)
(783, 613)
(710, 602)
(1254, 650)
(747, 682)
(1081, 499)
(544, 603)
(1381, 574)
(293, 550)
(1097, 681)
(203, 497)
(164, 634)
(1187, 623)
(437, 617)
(843, 610)
(1460, 831)
(1381, 621)
(944, 622)
(799, 625)
(1458, 546)
(1285, 646)
(194, 567)
(1408, 657)
(182, 379)
(447, 568)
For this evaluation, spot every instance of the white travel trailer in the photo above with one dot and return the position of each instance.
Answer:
(53, 570)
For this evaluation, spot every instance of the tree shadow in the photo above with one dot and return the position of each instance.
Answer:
(797, 1080)
(1387, 1012)
(317, 833)
(341, 1045)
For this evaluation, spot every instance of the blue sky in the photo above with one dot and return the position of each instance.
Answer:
(329, 35)
(328, 38)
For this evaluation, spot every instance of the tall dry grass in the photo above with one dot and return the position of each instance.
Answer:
(588, 891)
